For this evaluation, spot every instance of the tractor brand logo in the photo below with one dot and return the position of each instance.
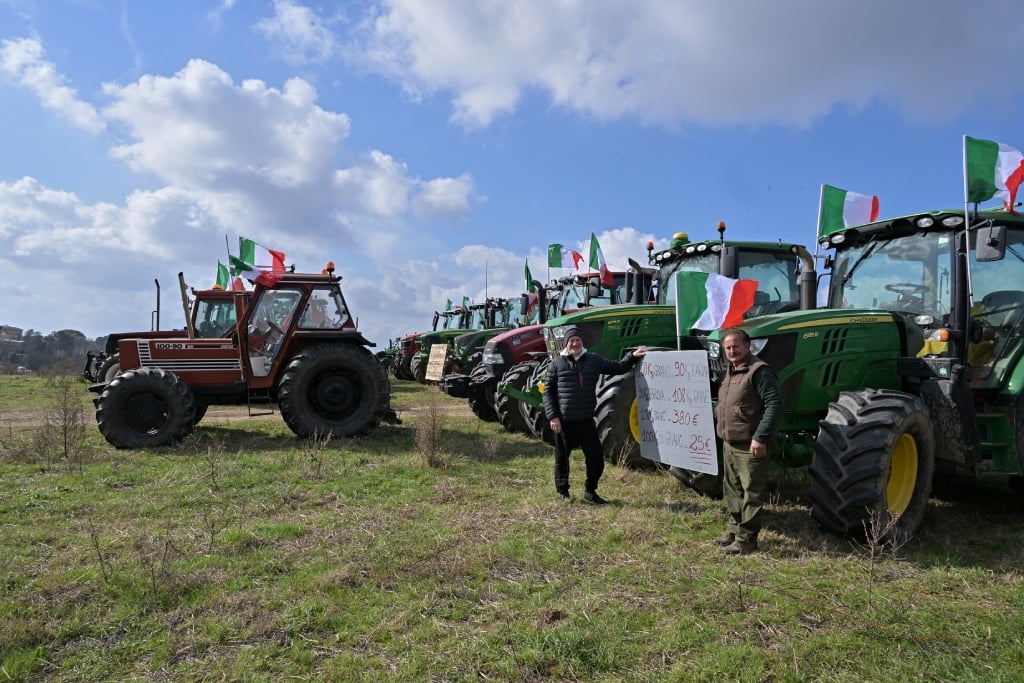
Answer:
(516, 340)
(865, 320)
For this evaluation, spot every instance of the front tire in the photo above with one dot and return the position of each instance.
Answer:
(540, 425)
(508, 409)
(109, 369)
(145, 408)
(874, 460)
(618, 424)
(335, 389)
(481, 399)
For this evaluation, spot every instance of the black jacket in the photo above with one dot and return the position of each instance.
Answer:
(569, 391)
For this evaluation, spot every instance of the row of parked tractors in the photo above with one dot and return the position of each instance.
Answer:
(898, 349)
(897, 345)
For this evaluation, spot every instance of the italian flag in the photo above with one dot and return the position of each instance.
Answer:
(561, 257)
(529, 277)
(240, 269)
(226, 281)
(260, 256)
(840, 209)
(992, 169)
(597, 262)
(708, 301)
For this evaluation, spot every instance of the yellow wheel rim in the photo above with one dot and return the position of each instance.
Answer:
(634, 421)
(902, 475)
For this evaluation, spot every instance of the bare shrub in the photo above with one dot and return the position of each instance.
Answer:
(428, 436)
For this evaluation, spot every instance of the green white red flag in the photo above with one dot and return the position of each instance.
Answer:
(225, 280)
(241, 269)
(598, 263)
(529, 278)
(708, 301)
(223, 276)
(841, 208)
(260, 256)
(992, 169)
(562, 257)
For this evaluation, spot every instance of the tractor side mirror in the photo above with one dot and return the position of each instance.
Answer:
(524, 305)
(991, 244)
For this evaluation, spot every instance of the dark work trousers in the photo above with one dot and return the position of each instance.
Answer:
(744, 480)
(583, 435)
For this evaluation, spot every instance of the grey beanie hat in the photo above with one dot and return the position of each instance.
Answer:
(572, 332)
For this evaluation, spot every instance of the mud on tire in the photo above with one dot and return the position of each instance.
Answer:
(145, 408)
(336, 389)
(874, 458)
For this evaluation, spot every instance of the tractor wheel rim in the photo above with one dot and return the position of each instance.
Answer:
(902, 475)
(634, 420)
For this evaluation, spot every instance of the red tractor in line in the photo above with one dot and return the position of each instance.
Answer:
(294, 343)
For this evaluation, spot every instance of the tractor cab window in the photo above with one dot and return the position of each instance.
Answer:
(705, 263)
(778, 288)
(214, 318)
(996, 326)
(908, 275)
(271, 316)
(325, 310)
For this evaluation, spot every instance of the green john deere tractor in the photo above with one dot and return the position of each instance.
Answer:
(493, 314)
(785, 273)
(912, 372)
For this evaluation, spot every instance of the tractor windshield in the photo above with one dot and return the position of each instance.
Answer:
(907, 274)
(776, 275)
(214, 317)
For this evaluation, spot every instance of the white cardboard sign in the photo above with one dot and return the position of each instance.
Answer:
(673, 400)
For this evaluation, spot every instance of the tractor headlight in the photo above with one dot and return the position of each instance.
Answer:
(757, 345)
(714, 350)
(492, 357)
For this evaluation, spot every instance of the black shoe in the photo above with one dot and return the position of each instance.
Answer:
(564, 495)
(594, 499)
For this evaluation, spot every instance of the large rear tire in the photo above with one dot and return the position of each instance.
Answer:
(508, 409)
(335, 389)
(874, 459)
(618, 424)
(145, 408)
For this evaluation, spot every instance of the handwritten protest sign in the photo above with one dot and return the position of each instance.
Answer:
(435, 362)
(673, 393)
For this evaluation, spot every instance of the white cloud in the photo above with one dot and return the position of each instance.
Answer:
(299, 33)
(23, 60)
(785, 62)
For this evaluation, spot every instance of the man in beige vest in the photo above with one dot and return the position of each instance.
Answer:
(746, 418)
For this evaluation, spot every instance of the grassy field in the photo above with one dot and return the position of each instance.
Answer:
(438, 551)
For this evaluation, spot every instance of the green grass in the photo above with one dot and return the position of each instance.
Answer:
(245, 554)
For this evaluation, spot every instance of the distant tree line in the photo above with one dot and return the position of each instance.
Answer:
(57, 352)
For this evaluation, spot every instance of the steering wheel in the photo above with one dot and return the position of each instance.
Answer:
(907, 288)
(272, 325)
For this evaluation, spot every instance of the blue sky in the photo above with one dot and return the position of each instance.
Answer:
(430, 148)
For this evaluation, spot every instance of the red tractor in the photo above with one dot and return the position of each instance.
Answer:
(295, 344)
(210, 314)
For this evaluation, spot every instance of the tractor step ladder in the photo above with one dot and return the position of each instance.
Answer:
(997, 439)
(258, 407)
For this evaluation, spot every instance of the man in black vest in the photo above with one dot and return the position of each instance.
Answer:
(570, 401)
(746, 418)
